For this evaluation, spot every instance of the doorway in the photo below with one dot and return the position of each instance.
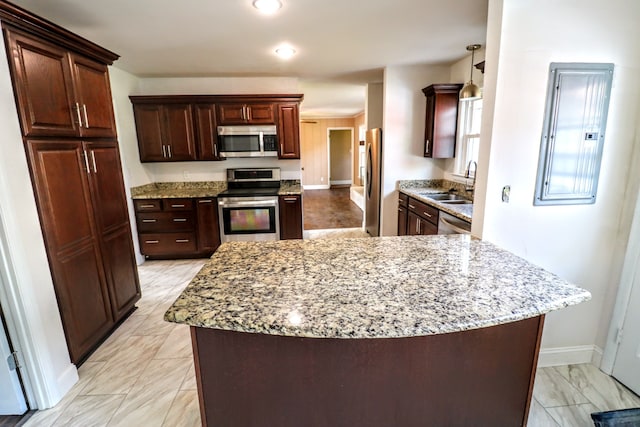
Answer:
(13, 402)
(340, 146)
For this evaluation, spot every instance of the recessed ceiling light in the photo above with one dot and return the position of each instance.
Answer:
(285, 52)
(267, 6)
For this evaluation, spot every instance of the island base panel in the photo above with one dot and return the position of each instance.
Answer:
(476, 377)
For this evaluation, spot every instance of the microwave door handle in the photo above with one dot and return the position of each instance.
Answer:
(261, 139)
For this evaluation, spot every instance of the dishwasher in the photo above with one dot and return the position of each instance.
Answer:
(449, 224)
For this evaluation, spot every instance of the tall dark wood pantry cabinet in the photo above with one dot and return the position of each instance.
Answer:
(63, 97)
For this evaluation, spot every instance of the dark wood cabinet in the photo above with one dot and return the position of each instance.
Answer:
(421, 218)
(441, 120)
(63, 97)
(177, 228)
(403, 202)
(246, 114)
(165, 132)
(208, 231)
(290, 211)
(59, 93)
(184, 127)
(289, 131)
(206, 132)
(86, 229)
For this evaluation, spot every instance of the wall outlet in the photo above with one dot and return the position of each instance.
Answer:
(186, 175)
(506, 192)
(322, 179)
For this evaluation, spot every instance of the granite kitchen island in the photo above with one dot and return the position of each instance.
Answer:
(391, 331)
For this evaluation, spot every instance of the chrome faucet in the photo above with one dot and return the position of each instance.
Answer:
(468, 175)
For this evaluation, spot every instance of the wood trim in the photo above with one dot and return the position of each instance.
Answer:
(212, 99)
(17, 17)
(196, 364)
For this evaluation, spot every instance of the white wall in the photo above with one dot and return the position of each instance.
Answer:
(374, 106)
(583, 244)
(30, 295)
(403, 134)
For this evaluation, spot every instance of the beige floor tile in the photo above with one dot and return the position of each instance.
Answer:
(539, 417)
(184, 411)
(601, 389)
(90, 411)
(177, 344)
(189, 382)
(113, 345)
(552, 389)
(120, 374)
(573, 415)
(148, 402)
(154, 324)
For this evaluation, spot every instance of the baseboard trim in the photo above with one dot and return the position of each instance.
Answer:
(316, 187)
(570, 356)
(342, 182)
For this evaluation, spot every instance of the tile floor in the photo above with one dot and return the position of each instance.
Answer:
(143, 374)
(323, 209)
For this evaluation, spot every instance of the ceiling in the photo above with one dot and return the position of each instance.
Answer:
(341, 44)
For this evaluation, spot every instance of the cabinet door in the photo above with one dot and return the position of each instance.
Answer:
(246, 113)
(290, 217)
(206, 132)
(208, 233)
(231, 114)
(418, 225)
(43, 86)
(60, 175)
(93, 94)
(178, 132)
(112, 221)
(441, 120)
(289, 131)
(261, 114)
(429, 123)
(149, 129)
(402, 221)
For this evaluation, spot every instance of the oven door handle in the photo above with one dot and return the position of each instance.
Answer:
(242, 204)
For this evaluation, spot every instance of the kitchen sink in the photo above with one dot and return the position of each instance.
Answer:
(447, 198)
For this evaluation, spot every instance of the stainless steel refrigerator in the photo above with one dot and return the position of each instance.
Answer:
(373, 153)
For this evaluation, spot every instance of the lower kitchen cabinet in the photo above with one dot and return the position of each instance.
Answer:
(403, 202)
(290, 217)
(85, 223)
(177, 228)
(421, 218)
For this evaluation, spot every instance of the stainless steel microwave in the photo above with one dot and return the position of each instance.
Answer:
(247, 141)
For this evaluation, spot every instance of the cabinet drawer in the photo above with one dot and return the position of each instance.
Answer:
(147, 205)
(165, 222)
(177, 205)
(423, 210)
(167, 243)
(403, 200)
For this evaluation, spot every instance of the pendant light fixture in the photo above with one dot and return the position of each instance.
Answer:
(471, 91)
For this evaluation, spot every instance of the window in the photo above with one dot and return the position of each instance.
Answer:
(468, 145)
(573, 133)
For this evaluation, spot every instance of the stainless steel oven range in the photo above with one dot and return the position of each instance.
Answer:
(248, 209)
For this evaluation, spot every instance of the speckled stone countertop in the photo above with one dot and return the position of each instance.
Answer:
(419, 189)
(368, 288)
(195, 189)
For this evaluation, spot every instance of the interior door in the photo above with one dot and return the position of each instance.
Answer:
(627, 360)
(12, 401)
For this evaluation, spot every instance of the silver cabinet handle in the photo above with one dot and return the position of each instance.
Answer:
(215, 150)
(427, 215)
(177, 206)
(418, 226)
(205, 201)
(86, 160)
(93, 161)
(281, 148)
(169, 151)
(182, 240)
(290, 199)
(78, 114)
(426, 146)
(164, 150)
(179, 220)
(86, 119)
(149, 220)
(147, 206)
(411, 206)
(152, 241)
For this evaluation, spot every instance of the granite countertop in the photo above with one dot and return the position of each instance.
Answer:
(368, 288)
(196, 189)
(420, 189)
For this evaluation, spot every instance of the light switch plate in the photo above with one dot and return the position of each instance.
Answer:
(506, 192)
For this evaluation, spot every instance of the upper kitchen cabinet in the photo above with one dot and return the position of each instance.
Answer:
(165, 132)
(289, 131)
(441, 120)
(58, 92)
(185, 127)
(246, 114)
